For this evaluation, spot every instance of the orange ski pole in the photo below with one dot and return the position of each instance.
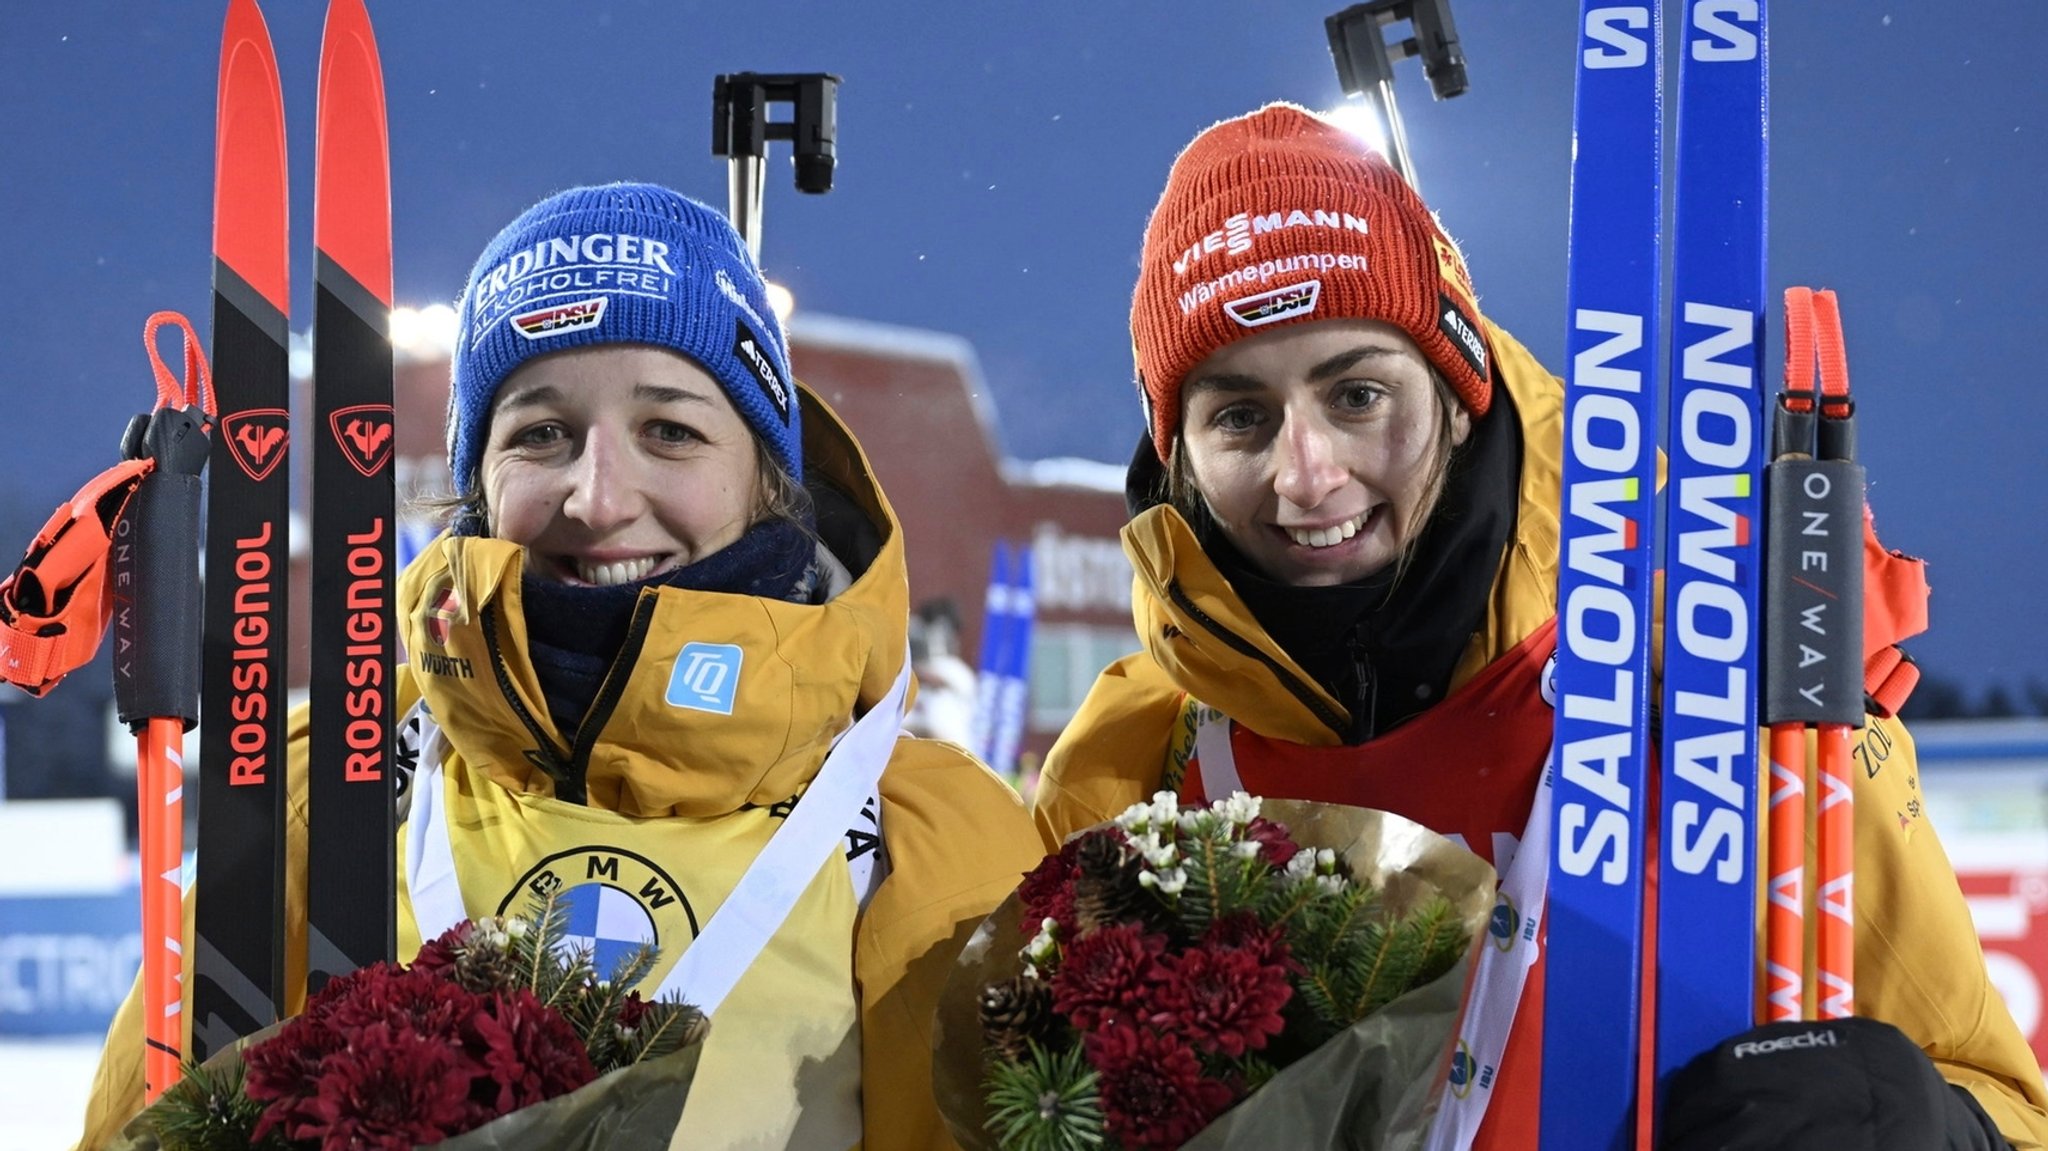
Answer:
(1835, 828)
(1785, 914)
(156, 669)
(1813, 658)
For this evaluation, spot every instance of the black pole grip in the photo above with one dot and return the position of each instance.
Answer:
(157, 613)
(1813, 587)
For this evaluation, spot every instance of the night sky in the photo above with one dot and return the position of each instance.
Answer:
(998, 161)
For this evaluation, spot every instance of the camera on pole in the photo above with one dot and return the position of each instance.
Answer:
(1365, 60)
(741, 129)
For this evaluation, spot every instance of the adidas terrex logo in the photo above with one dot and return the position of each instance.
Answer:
(1235, 236)
(747, 347)
(1788, 1043)
(1455, 326)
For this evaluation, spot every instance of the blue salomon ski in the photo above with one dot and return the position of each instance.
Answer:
(1706, 923)
(1595, 929)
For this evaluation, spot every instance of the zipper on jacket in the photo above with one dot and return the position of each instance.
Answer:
(613, 687)
(545, 756)
(1293, 683)
(1365, 696)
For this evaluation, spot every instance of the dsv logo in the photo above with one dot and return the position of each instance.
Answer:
(364, 433)
(706, 677)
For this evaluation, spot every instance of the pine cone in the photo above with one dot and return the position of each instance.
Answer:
(483, 965)
(1013, 1013)
(1106, 887)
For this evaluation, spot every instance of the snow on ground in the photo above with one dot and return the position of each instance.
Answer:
(43, 1084)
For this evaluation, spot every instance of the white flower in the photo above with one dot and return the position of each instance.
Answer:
(1197, 822)
(1240, 808)
(1044, 945)
(1330, 883)
(1171, 882)
(1245, 848)
(1302, 865)
(1160, 854)
(517, 928)
(1326, 860)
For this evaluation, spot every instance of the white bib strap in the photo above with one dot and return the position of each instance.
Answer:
(1505, 957)
(777, 878)
(429, 854)
(1214, 760)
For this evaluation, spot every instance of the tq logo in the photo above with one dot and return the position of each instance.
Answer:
(364, 433)
(256, 439)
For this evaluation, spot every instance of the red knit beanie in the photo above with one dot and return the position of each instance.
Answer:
(1281, 217)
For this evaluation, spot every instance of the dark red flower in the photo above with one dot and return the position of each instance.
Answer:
(1218, 998)
(424, 1001)
(388, 1057)
(1152, 1090)
(1247, 932)
(1276, 844)
(1103, 976)
(527, 1049)
(1047, 891)
(632, 1009)
(439, 952)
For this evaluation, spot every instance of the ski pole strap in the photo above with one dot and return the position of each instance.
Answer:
(55, 605)
(156, 568)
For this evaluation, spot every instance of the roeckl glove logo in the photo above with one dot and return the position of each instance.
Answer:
(706, 677)
(1787, 1043)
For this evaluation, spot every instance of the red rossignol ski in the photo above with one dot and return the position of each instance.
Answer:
(238, 959)
(350, 866)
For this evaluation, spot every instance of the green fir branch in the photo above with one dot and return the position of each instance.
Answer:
(208, 1110)
(669, 1026)
(1046, 1102)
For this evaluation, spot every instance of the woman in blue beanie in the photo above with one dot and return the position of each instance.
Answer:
(671, 585)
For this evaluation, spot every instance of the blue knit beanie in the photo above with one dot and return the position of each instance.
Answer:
(620, 264)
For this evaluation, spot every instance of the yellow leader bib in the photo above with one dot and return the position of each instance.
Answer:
(781, 1067)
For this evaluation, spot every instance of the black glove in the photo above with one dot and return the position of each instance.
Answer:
(1840, 1085)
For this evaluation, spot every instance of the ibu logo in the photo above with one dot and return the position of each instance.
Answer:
(1505, 924)
(705, 677)
(1464, 1070)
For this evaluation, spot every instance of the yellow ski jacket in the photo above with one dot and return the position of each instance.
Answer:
(825, 1041)
(1918, 964)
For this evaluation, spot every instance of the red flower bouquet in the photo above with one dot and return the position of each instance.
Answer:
(496, 1036)
(1287, 970)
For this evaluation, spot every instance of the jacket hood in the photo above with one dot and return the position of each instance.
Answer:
(1197, 629)
(715, 702)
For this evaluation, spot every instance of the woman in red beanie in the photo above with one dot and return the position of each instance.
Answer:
(1345, 534)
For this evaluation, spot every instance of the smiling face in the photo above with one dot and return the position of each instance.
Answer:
(615, 463)
(1318, 447)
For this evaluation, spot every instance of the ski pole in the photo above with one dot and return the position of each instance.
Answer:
(1813, 674)
(156, 667)
(1836, 828)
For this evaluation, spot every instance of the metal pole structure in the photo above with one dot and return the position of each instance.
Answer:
(1365, 67)
(741, 130)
